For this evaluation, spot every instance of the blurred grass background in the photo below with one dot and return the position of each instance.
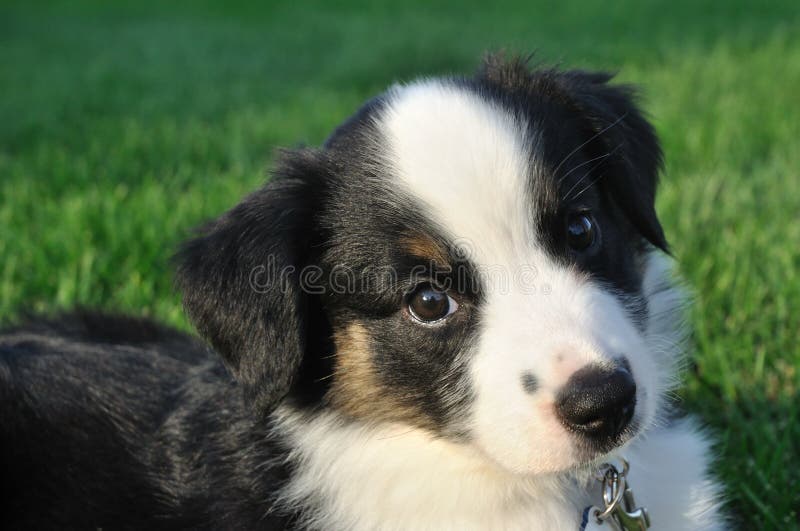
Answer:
(122, 126)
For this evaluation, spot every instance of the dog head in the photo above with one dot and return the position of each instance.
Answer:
(465, 256)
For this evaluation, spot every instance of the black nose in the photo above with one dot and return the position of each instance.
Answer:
(598, 402)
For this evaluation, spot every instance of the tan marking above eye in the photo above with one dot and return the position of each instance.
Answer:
(423, 246)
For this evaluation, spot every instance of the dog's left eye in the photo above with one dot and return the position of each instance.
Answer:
(429, 305)
(581, 231)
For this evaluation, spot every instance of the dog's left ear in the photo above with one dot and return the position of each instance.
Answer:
(619, 127)
(240, 280)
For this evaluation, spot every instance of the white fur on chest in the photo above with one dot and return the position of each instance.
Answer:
(355, 477)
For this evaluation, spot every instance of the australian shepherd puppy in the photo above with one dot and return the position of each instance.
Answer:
(449, 316)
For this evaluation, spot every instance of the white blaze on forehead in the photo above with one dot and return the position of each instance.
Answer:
(467, 159)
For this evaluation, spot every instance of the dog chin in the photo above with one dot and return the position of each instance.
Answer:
(590, 454)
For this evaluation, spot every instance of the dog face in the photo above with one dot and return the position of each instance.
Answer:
(464, 257)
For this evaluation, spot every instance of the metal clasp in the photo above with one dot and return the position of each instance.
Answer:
(620, 507)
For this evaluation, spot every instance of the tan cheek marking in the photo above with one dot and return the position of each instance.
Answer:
(424, 247)
(357, 390)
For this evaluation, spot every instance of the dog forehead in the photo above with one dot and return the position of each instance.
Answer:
(469, 160)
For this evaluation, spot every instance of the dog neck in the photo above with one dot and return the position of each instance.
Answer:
(351, 476)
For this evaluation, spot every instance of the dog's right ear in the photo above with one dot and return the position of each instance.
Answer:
(240, 284)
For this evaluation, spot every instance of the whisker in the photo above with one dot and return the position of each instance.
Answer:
(615, 122)
(587, 162)
(383, 438)
(323, 378)
(579, 181)
(589, 186)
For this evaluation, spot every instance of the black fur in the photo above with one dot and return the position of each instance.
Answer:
(110, 422)
(116, 422)
(262, 337)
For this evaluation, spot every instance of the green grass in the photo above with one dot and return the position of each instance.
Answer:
(121, 128)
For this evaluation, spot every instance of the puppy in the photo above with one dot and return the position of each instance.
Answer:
(448, 317)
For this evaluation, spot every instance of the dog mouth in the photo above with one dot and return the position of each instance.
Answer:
(590, 450)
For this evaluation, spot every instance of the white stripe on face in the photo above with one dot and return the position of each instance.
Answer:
(467, 160)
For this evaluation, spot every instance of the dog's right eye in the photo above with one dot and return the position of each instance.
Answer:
(429, 305)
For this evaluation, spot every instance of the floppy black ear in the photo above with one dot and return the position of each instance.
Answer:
(240, 285)
(631, 173)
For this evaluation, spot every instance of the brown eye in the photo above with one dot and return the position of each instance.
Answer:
(581, 231)
(429, 305)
